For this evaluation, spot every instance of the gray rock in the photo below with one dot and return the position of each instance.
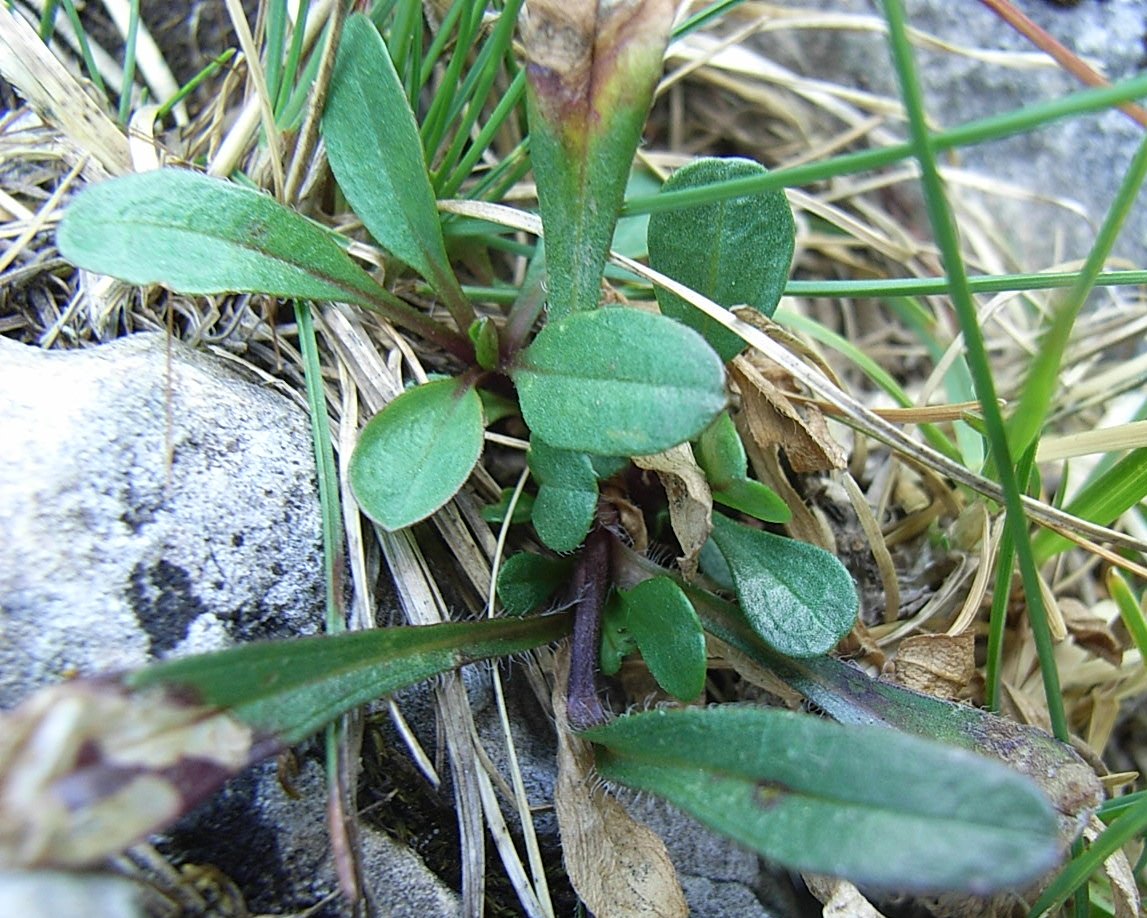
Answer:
(277, 849)
(111, 561)
(112, 558)
(1082, 159)
(52, 894)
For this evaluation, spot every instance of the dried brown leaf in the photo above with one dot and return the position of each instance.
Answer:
(940, 665)
(616, 865)
(1091, 631)
(773, 420)
(690, 500)
(88, 768)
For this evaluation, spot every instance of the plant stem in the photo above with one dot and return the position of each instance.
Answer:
(591, 576)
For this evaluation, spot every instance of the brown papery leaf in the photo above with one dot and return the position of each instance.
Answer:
(88, 768)
(690, 500)
(616, 865)
(941, 665)
(774, 421)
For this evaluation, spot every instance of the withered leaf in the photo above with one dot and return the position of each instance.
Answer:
(88, 768)
(616, 865)
(773, 420)
(940, 665)
(690, 500)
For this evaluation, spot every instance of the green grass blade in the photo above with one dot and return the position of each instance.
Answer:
(1131, 824)
(1104, 499)
(938, 286)
(328, 474)
(129, 52)
(944, 228)
(993, 128)
(195, 82)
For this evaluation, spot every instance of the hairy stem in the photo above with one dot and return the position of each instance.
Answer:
(590, 583)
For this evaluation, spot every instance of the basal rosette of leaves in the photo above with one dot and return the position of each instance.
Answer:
(595, 386)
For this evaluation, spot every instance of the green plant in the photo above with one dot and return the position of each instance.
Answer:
(602, 389)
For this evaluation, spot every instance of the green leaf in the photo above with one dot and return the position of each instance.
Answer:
(496, 512)
(798, 598)
(375, 153)
(848, 695)
(567, 495)
(618, 382)
(292, 688)
(872, 805)
(484, 336)
(416, 453)
(591, 77)
(720, 453)
(197, 234)
(616, 641)
(669, 635)
(736, 251)
(526, 581)
(607, 466)
(757, 500)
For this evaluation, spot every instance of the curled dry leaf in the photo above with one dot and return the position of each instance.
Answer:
(89, 767)
(773, 420)
(616, 865)
(940, 665)
(690, 500)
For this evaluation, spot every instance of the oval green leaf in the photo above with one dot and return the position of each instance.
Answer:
(525, 581)
(736, 251)
(416, 453)
(720, 453)
(669, 635)
(567, 495)
(197, 234)
(870, 804)
(618, 382)
(376, 155)
(797, 597)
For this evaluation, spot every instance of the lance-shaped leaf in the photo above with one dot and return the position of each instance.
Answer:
(875, 806)
(202, 235)
(618, 382)
(416, 453)
(849, 696)
(376, 156)
(736, 251)
(567, 495)
(797, 597)
(592, 68)
(197, 234)
(91, 766)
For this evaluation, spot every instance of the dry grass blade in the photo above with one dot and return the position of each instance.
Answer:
(29, 66)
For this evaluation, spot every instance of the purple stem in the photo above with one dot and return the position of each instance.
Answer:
(590, 582)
